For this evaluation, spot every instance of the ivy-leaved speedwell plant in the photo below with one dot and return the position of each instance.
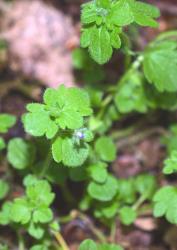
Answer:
(70, 136)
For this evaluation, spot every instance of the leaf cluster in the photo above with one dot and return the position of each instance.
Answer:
(103, 21)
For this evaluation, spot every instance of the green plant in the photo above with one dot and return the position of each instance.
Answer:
(72, 136)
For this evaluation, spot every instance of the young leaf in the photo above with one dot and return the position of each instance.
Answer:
(105, 148)
(100, 45)
(103, 191)
(127, 215)
(88, 245)
(6, 122)
(20, 211)
(2, 144)
(109, 247)
(39, 247)
(4, 189)
(170, 163)
(5, 213)
(21, 154)
(72, 154)
(98, 172)
(145, 185)
(36, 231)
(125, 101)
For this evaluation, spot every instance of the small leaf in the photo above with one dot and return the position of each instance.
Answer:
(98, 172)
(109, 247)
(39, 247)
(100, 45)
(105, 148)
(4, 189)
(170, 163)
(57, 149)
(21, 154)
(74, 155)
(2, 144)
(127, 215)
(105, 191)
(20, 212)
(88, 245)
(5, 213)
(42, 215)
(36, 231)
(6, 122)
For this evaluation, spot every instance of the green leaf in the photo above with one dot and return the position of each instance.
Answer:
(109, 247)
(144, 14)
(57, 149)
(115, 39)
(98, 172)
(39, 247)
(103, 191)
(74, 155)
(6, 122)
(20, 211)
(88, 13)
(160, 65)
(2, 144)
(146, 185)
(70, 118)
(36, 231)
(125, 101)
(127, 215)
(5, 213)
(4, 189)
(21, 154)
(170, 163)
(165, 203)
(39, 124)
(88, 245)
(85, 37)
(42, 215)
(100, 45)
(122, 14)
(107, 210)
(40, 193)
(105, 148)
(127, 192)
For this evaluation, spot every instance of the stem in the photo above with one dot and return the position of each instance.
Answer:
(113, 231)
(21, 245)
(139, 202)
(94, 230)
(60, 240)
(46, 164)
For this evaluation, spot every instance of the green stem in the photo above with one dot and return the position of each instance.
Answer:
(46, 164)
(139, 202)
(113, 231)
(21, 245)
(61, 240)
